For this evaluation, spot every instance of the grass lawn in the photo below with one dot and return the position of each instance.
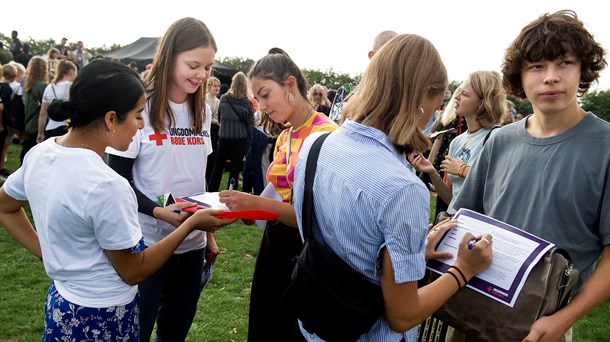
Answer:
(223, 307)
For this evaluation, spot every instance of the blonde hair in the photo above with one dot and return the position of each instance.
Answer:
(321, 88)
(211, 81)
(487, 85)
(239, 86)
(407, 71)
(19, 66)
(448, 115)
(9, 72)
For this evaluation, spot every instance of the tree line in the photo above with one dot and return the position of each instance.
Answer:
(596, 101)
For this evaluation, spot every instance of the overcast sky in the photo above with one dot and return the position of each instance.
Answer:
(470, 35)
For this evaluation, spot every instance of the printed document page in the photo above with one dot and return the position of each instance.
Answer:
(515, 252)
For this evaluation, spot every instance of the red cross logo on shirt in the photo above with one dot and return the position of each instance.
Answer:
(158, 137)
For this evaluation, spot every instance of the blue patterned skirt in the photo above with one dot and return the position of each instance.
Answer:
(65, 321)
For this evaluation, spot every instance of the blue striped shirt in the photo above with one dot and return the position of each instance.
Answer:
(365, 197)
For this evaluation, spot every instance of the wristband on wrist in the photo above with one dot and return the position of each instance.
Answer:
(462, 170)
(461, 274)
(456, 279)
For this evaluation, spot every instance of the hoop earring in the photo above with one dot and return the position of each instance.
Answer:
(113, 133)
(422, 113)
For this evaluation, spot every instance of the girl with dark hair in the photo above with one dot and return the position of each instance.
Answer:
(280, 88)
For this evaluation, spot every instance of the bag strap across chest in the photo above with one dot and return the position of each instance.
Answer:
(310, 173)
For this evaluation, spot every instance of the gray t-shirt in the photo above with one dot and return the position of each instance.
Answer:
(551, 187)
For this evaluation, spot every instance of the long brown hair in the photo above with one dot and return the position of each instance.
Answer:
(183, 35)
(37, 70)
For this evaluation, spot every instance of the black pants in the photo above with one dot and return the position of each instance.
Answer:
(3, 136)
(233, 150)
(28, 144)
(212, 156)
(268, 321)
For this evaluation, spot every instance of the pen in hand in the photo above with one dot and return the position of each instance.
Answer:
(473, 241)
(177, 211)
(231, 183)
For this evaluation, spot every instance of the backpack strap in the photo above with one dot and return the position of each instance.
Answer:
(310, 173)
(489, 133)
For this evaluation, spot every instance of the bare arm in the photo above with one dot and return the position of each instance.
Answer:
(211, 249)
(421, 164)
(406, 306)
(16, 223)
(593, 293)
(135, 268)
(236, 200)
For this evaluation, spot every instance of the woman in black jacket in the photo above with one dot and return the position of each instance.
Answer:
(236, 116)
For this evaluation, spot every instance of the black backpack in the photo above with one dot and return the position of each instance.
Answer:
(14, 108)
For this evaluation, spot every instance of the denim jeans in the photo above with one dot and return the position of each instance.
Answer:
(170, 296)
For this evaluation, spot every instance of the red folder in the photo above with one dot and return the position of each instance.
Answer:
(248, 215)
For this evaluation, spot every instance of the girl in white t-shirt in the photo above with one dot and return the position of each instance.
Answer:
(59, 89)
(481, 100)
(87, 229)
(169, 155)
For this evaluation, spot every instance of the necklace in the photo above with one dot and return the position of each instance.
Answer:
(469, 136)
(290, 135)
(67, 144)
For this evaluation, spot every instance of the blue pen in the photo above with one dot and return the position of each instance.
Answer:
(472, 242)
(231, 183)
(177, 211)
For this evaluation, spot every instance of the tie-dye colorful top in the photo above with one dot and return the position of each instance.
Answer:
(281, 174)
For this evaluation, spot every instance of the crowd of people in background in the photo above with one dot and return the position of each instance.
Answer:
(180, 129)
(321, 98)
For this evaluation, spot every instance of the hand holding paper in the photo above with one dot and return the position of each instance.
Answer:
(201, 201)
(434, 236)
(237, 200)
(230, 202)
